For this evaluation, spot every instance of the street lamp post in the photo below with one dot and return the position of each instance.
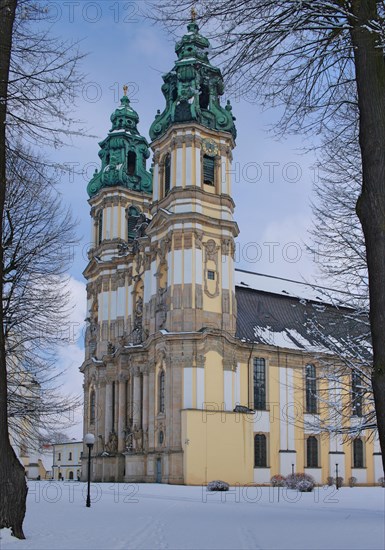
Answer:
(89, 440)
(337, 476)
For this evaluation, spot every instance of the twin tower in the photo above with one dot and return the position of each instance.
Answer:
(160, 336)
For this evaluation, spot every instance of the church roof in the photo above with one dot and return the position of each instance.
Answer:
(291, 314)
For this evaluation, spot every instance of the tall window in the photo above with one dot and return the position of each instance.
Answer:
(131, 163)
(260, 451)
(132, 220)
(208, 170)
(100, 227)
(167, 174)
(161, 391)
(92, 407)
(357, 394)
(312, 452)
(69, 456)
(311, 389)
(358, 453)
(259, 383)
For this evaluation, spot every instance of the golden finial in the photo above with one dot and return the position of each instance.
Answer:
(193, 13)
(125, 89)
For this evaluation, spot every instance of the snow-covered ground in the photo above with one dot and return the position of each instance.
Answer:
(163, 516)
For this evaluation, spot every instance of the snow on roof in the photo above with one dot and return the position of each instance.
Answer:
(279, 285)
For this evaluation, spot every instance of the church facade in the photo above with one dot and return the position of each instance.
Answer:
(179, 384)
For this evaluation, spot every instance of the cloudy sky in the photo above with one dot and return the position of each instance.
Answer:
(272, 180)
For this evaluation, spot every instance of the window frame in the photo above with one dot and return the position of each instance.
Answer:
(259, 401)
(310, 452)
(211, 169)
(166, 174)
(130, 216)
(362, 451)
(162, 392)
(357, 395)
(262, 461)
(311, 390)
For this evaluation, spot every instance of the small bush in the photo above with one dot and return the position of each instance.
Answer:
(305, 486)
(218, 485)
(340, 481)
(292, 480)
(278, 481)
(352, 481)
(381, 481)
(330, 481)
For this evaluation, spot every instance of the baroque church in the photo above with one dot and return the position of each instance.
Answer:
(191, 365)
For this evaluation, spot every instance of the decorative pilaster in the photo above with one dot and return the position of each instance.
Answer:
(108, 411)
(137, 404)
(122, 413)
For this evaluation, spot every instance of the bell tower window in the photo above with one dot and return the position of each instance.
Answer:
(204, 97)
(208, 170)
(132, 220)
(167, 174)
(131, 163)
(100, 227)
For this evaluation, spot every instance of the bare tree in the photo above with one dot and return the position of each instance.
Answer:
(308, 57)
(38, 245)
(38, 80)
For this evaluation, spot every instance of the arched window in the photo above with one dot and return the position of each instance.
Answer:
(204, 96)
(357, 394)
(70, 475)
(260, 451)
(311, 389)
(132, 220)
(161, 391)
(131, 163)
(358, 453)
(167, 174)
(100, 227)
(208, 170)
(312, 452)
(92, 407)
(259, 376)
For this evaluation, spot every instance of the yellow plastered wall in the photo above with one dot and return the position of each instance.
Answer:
(208, 437)
(214, 390)
(273, 389)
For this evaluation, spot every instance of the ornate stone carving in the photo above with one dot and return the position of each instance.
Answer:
(111, 446)
(211, 255)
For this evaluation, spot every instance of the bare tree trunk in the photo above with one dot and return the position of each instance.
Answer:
(13, 486)
(370, 78)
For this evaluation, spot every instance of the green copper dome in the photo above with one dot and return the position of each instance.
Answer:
(123, 154)
(193, 89)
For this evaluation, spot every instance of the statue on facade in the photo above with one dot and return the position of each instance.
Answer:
(129, 435)
(138, 438)
(112, 443)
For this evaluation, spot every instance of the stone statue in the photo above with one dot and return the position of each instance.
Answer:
(138, 438)
(112, 443)
(129, 439)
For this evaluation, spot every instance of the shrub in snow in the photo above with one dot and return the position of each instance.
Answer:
(330, 481)
(305, 486)
(278, 481)
(218, 486)
(381, 481)
(352, 481)
(292, 480)
(340, 481)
